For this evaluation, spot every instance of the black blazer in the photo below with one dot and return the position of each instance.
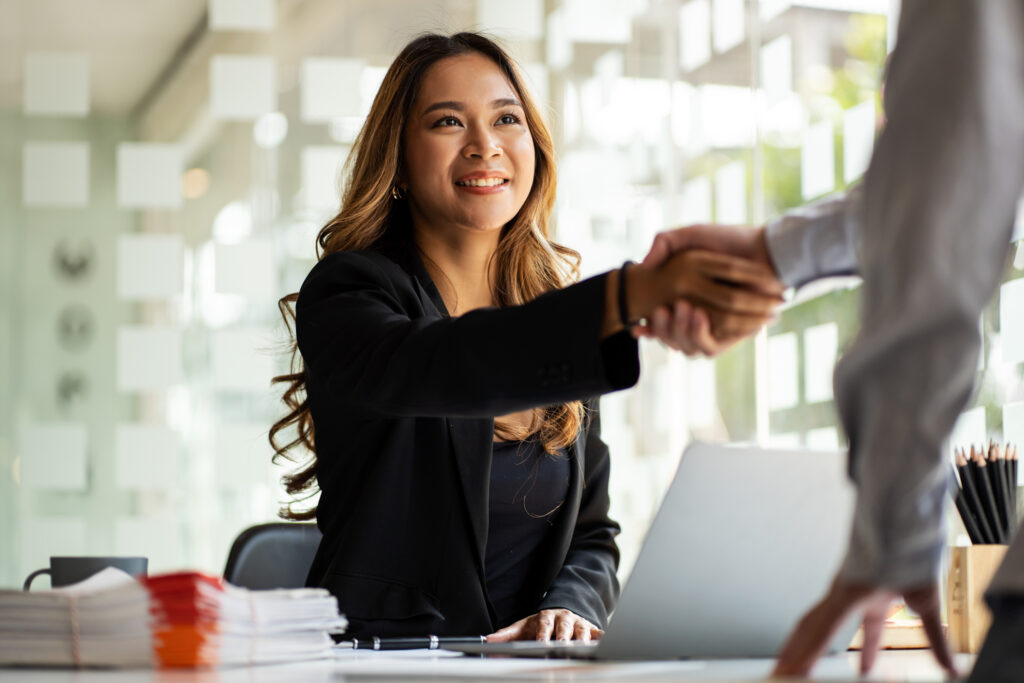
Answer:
(403, 397)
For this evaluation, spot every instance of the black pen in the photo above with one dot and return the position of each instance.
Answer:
(417, 643)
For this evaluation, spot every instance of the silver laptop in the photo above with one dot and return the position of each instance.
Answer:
(746, 540)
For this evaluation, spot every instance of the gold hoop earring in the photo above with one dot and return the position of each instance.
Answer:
(397, 193)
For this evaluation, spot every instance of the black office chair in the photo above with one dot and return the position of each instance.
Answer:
(275, 555)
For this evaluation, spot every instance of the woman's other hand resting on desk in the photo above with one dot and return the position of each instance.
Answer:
(548, 624)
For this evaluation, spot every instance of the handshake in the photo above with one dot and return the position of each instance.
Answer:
(702, 288)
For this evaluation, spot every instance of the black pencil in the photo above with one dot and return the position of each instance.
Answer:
(970, 523)
(1004, 479)
(966, 515)
(978, 467)
(1013, 482)
(973, 499)
(994, 472)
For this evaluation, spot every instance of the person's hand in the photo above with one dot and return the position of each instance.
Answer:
(688, 328)
(548, 624)
(714, 300)
(743, 241)
(814, 631)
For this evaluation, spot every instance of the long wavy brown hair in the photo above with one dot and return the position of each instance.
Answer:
(526, 262)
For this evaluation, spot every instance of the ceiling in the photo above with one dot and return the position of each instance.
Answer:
(129, 43)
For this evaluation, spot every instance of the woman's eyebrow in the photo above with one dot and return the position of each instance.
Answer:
(458, 106)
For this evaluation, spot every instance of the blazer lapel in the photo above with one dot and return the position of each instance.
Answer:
(471, 443)
(571, 506)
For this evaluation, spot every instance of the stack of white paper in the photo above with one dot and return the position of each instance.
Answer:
(102, 621)
(185, 619)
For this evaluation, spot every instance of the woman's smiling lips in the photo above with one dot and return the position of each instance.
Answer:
(482, 183)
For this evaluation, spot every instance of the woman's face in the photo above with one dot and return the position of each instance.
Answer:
(469, 155)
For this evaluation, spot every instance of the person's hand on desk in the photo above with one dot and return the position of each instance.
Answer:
(549, 624)
(813, 632)
(691, 326)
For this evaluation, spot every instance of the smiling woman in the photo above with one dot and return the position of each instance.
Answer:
(449, 370)
(470, 162)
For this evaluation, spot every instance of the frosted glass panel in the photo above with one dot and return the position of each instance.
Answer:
(148, 358)
(56, 84)
(53, 455)
(321, 177)
(247, 269)
(782, 371)
(146, 456)
(149, 175)
(523, 19)
(731, 194)
(817, 161)
(820, 346)
(150, 266)
(536, 77)
(695, 34)
(243, 454)
(777, 67)
(55, 173)
(241, 360)
(331, 88)
(728, 23)
(559, 40)
(696, 201)
(858, 139)
(1013, 429)
(726, 116)
(242, 15)
(1011, 320)
(599, 21)
(242, 88)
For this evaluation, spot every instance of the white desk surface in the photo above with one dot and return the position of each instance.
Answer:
(374, 667)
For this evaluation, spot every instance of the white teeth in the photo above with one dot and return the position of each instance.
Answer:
(481, 182)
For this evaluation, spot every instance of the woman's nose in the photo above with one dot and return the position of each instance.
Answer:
(482, 144)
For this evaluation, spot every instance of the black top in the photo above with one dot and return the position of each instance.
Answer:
(403, 398)
(528, 489)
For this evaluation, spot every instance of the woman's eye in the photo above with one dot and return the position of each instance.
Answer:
(508, 118)
(447, 121)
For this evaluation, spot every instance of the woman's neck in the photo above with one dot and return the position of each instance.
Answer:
(458, 263)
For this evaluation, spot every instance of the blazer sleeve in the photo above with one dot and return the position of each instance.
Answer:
(587, 583)
(355, 333)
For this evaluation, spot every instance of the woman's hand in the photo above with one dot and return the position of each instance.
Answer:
(738, 295)
(689, 325)
(548, 624)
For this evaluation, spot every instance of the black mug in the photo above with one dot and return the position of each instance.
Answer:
(65, 571)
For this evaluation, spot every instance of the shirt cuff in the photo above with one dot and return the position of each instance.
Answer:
(898, 546)
(814, 241)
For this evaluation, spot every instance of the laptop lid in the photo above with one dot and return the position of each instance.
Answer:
(746, 540)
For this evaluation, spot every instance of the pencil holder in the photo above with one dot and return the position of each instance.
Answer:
(970, 570)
